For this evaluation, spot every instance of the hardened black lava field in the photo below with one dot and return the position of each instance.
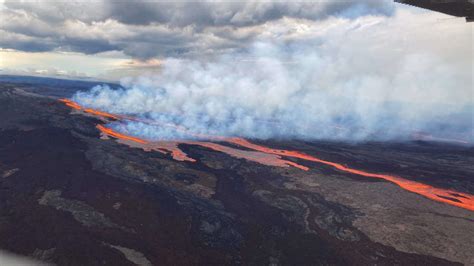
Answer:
(70, 197)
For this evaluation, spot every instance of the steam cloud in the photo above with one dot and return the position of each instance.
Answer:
(364, 79)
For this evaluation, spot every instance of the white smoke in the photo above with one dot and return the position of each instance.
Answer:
(9, 259)
(369, 78)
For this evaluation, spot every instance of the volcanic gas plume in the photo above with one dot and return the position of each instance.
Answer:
(266, 156)
(312, 91)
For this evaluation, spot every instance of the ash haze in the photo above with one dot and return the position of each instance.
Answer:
(345, 70)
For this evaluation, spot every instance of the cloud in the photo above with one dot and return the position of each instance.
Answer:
(362, 79)
(266, 69)
(50, 72)
(147, 29)
(240, 13)
(25, 43)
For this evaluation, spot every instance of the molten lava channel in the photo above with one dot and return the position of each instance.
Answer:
(115, 134)
(462, 200)
(172, 148)
(100, 114)
(272, 157)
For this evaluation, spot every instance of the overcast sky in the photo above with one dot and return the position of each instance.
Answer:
(112, 39)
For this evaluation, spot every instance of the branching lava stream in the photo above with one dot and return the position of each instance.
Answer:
(268, 156)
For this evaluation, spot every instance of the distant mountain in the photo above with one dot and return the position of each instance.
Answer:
(53, 86)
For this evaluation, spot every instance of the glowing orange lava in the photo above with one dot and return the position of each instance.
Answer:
(115, 134)
(99, 113)
(259, 157)
(71, 104)
(170, 147)
(179, 155)
(452, 197)
(272, 157)
(76, 106)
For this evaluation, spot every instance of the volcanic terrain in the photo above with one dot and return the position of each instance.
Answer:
(76, 192)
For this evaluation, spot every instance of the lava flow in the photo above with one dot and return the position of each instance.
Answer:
(259, 157)
(179, 155)
(115, 134)
(273, 157)
(76, 106)
(452, 197)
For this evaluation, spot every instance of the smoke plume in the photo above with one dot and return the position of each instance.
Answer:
(372, 78)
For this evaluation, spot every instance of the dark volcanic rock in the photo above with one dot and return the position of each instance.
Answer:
(71, 198)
